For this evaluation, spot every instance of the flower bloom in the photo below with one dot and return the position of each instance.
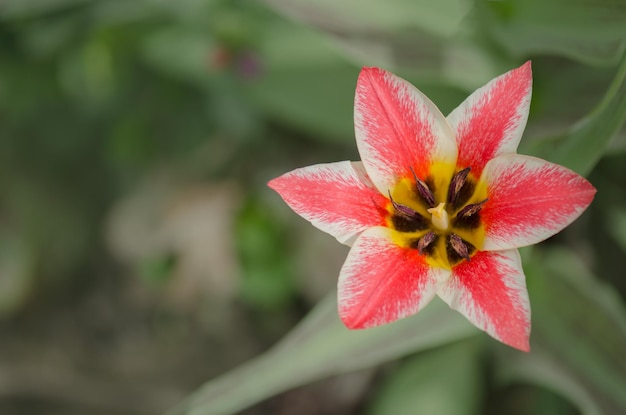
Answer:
(438, 205)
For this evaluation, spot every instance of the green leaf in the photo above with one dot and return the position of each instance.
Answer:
(579, 335)
(591, 31)
(440, 381)
(586, 142)
(441, 17)
(428, 43)
(541, 369)
(618, 145)
(321, 347)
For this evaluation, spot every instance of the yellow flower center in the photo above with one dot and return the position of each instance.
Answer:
(439, 215)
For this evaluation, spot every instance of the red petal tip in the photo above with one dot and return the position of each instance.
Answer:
(274, 184)
(351, 323)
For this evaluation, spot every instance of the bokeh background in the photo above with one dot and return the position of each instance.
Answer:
(141, 253)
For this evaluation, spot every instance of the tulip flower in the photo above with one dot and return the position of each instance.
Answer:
(438, 205)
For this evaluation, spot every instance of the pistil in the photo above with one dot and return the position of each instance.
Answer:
(439, 216)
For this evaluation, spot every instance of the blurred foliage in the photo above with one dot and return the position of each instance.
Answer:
(321, 346)
(141, 253)
(267, 280)
(445, 381)
(590, 370)
(588, 30)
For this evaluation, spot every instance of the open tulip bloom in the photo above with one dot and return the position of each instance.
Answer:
(438, 205)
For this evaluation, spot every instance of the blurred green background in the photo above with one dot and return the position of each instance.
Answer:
(141, 253)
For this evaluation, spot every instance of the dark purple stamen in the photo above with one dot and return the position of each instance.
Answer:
(403, 209)
(470, 210)
(423, 190)
(459, 246)
(426, 240)
(458, 180)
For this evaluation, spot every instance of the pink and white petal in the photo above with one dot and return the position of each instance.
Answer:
(490, 291)
(381, 282)
(338, 198)
(491, 120)
(398, 128)
(529, 200)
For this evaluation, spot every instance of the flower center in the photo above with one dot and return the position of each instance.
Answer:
(442, 224)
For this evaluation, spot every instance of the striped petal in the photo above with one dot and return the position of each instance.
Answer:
(491, 120)
(381, 282)
(338, 198)
(490, 291)
(530, 200)
(398, 128)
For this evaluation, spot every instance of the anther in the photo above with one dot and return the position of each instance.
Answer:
(423, 190)
(470, 210)
(459, 246)
(425, 241)
(456, 184)
(402, 209)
